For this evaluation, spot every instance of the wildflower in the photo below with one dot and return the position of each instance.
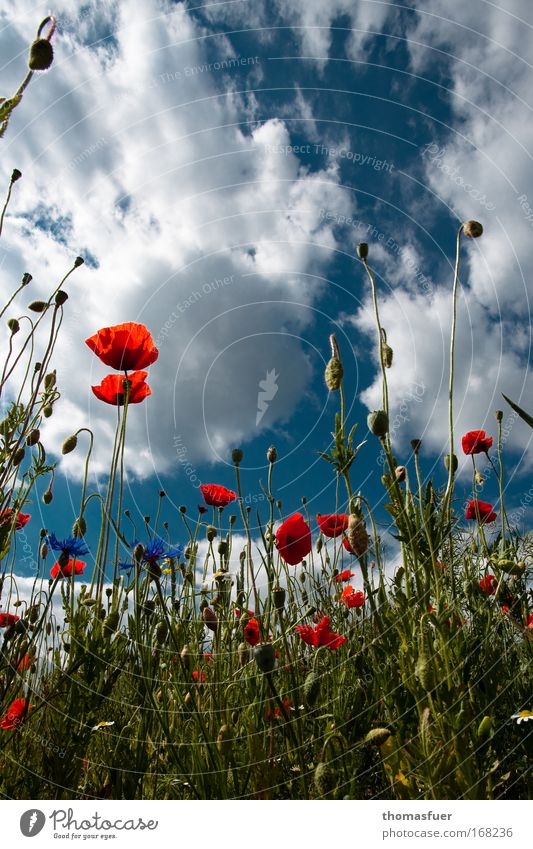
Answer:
(7, 619)
(320, 635)
(75, 567)
(529, 623)
(332, 525)
(486, 513)
(293, 539)
(251, 632)
(198, 676)
(158, 550)
(202, 509)
(351, 598)
(101, 725)
(276, 713)
(476, 442)
(25, 663)
(21, 520)
(522, 716)
(69, 547)
(488, 584)
(216, 495)
(345, 576)
(15, 715)
(112, 390)
(124, 347)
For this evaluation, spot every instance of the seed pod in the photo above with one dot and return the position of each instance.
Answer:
(224, 740)
(455, 462)
(311, 689)
(13, 325)
(357, 535)
(362, 250)
(324, 779)
(265, 657)
(38, 306)
(210, 619)
(334, 374)
(237, 455)
(41, 55)
(78, 261)
(60, 298)
(243, 654)
(161, 632)
(484, 728)
(377, 736)
(278, 597)
(111, 623)
(472, 229)
(272, 454)
(378, 423)
(33, 437)
(15, 175)
(18, 456)
(69, 444)
(211, 533)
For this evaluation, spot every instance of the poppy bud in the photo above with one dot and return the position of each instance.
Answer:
(33, 437)
(13, 325)
(161, 632)
(278, 596)
(484, 728)
(138, 552)
(185, 656)
(211, 532)
(324, 779)
(387, 354)
(47, 411)
(15, 175)
(38, 306)
(222, 547)
(232, 520)
(243, 654)
(499, 415)
(33, 613)
(26, 278)
(210, 619)
(50, 380)
(378, 423)
(79, 528)
(455, 462)
(510, 567)
(236, 456)
(265, 657)
(69, 444)
(41, 55)
(416, 445)
(272, 454)
(400, 473)
(311, 689)
(362, 250)
(357, 535)
(111, 623)
(224, 740)
(44, 551)
(377, 736)
(333, 374)
(18, 456)
(182, 509)
(60, 298)
(472, 229)
(78, 261)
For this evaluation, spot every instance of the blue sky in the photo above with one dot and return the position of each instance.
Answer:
(217, 165)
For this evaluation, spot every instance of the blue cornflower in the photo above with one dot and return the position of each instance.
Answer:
(157, 550)
(71, 546)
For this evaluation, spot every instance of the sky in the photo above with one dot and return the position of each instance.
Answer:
(216, 165)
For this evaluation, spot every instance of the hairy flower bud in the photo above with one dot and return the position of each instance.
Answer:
(377, 736)
(357, 535)
(210, 619)
(333, 374)
(78, 261)
(472, 229)
(455, 462)
(15, 175)
(41, 55)
(79, 528)
(13, 325)
(50, 380)
(69, 444)
(243, 654)
(499, 415)
(272, 454)
(211, 533)
(400, 473)
(33, 437)
(311, 689)
(111, 623)
(224, 740)
(60, 298)
(18, 456)
(362, 250)
(161, 632)
(237, 455)
(484, 728)
(265, 657)
(278, 596)
(378, 423)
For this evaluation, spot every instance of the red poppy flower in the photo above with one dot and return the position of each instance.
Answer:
(529, 623)
(15, 715)
(251, 632)
(347, 546)
(21, 520)
(276, 713)
(217, 496)
(333, 524)
(66, 571)
(124, 347)
(351, 598)
(111, 389)
(345, 576)
(293, 539)
(320, 635)
(198, 676)
(238, 612)
(488, 584)
(476, 442)
(25, 663)
(7, 619)
(486, 513)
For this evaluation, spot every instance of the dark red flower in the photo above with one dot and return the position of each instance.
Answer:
(25, 663)
(320, 635)
(111, 389)
(124, 347)
(351, 598)
(488, 584)
(293, 539)
(21, 520)
(66, 571)
(251, 632)
(198, 676)
(529, 623)
(476, 442)
(217, 496)
(333, 524)
(486, 513)
(276, 712)
(7, 619)
(15, 715)
(345, 576)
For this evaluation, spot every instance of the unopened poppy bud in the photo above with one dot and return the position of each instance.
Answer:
(278, 596)
(41, 55)
(400, 473)
(377, 736)
(499, 415)
(15, 175)
(33, 437)
(111, 623)
(272, 454)
(357, 535)
(47, 411)
(333, 374)
(311, 689)
(210, 619)
(60, 298)
(232, 519)
(387, 354)
(211, 533)
(455, 462)
(362, 250)
(79, 528)
(18, 456)
(50, 380)
(484, 728)
(44, 551)
(222, 547)
(378, 423)
(325, 780)
(138, 552)
(224, 740)
(472, 229)
(38, 306)
(243, 654)
(69, 444)
(185, 656)
(236, 456)
(13, 325)
(161, 632)
(265, 657)
(78, 261)
(416, 445)
(26, 278)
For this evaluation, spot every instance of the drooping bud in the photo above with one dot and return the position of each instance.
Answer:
(400, 473)
(41, 55)
(472, 229)
(69, 444)
(15, 175)
(455, 462)
(79, 528)
(484, 728)
(111, 623)
(357, 535)
(50, 380)
(278, 596)
(377, 736)
(224, 740)
(47, 411)
(311, 689)
(161, 632)
(362, 250)
(243, 653)
(13, 325)
(210, 619)
(324, 779)
(378, 423)
(18, 456)
(265, 657)
(185, 656)
(60, 298)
